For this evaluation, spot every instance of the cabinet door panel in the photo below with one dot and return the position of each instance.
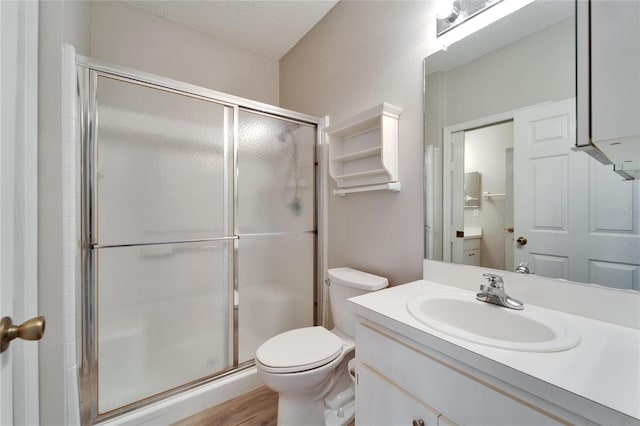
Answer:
(380, 402)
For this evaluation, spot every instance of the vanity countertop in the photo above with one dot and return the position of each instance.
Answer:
(601, 373)
(471, 232)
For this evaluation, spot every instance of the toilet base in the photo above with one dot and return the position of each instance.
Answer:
(341, 409)
(331, 403)
(296, 411)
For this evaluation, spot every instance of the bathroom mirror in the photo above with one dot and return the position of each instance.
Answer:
(501, 102)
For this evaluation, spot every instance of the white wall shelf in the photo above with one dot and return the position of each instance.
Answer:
(392, 186)
(361, 174)
(363, 150)
(371, 152)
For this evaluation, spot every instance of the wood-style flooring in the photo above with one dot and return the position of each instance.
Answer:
(256, 408)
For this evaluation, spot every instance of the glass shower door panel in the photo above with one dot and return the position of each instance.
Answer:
(163, 318)
(161, 164)
(275, 284)
(275, 174)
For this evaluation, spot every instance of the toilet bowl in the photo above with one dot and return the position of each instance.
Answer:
(308, 367)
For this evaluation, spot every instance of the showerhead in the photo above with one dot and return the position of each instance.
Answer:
(288, 129)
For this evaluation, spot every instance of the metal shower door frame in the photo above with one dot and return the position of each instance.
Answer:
(88, 71)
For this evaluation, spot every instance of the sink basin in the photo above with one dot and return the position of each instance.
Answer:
(464, 317)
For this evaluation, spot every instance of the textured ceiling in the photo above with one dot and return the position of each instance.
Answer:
(267, 27)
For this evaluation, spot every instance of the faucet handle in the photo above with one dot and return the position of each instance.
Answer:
(494, 280)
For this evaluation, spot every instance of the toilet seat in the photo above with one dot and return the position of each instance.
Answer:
(299, 350)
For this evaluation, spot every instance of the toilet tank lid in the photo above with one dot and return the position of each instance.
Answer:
(357, 279)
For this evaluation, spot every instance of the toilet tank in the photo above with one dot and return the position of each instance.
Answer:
(346, 283)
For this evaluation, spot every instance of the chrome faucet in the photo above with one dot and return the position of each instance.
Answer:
(523, 268)
(493, 292)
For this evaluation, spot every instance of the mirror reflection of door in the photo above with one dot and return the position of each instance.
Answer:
(485, 152)
(599, 240)
(576, 214)
(480, 218)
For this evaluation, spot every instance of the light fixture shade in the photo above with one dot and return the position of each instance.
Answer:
(448, 10)
(451, 13)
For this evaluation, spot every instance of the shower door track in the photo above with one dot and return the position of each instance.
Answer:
(87, 342)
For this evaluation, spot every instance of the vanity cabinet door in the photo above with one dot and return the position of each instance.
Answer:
(468, 397)
(471, 252)
(471, 257)
(380, 402)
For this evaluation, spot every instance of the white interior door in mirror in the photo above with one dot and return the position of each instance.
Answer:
(553, 199)
(453, 210)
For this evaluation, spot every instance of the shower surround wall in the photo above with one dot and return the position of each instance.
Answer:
(198, 209)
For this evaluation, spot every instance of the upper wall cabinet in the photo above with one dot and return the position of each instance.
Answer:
(363, 151)
(608, 82)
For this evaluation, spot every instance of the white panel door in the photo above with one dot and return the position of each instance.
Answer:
(612, 240)
(453, 210)
(575, 214)
(18, 206)
(545, 175)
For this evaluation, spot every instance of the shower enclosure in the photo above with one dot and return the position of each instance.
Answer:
(199, 237)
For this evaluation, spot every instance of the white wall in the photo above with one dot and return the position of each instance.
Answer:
(359, 55)
(127, 36)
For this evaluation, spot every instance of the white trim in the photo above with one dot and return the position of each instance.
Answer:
(31, 405)
(70, 232)
(8, 69)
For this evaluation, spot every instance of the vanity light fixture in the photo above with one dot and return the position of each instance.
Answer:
(448, 10)
(451, 13)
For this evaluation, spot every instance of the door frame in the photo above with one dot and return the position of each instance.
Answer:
(447, 155)
(24, 38)
(447, 140)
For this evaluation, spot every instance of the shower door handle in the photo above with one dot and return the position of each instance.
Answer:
(28, 330)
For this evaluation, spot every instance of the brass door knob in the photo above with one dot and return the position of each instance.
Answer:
(509, 229)
(29, 330)
(521, 241)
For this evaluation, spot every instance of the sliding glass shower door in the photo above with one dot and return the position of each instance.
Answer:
(199, 237)
(276, 226)
(162, 239)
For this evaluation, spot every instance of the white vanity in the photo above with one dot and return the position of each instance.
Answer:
(471, 246)
(411, 373)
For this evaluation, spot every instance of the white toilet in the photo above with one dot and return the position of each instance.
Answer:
(308, 367)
